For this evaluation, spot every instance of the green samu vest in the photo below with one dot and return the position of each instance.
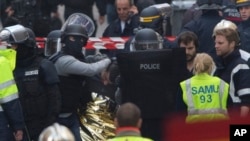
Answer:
(205, 97)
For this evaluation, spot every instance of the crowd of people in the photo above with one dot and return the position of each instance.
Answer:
(207, 67)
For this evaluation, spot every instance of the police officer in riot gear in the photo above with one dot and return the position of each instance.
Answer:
(155, 17)
(73, 71)
(147, 39)
(53, 43)
(74, 46)
(37, 83)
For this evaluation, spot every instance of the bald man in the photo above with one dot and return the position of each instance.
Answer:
(128, 123)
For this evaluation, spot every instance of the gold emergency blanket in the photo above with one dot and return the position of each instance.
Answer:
(97, 121)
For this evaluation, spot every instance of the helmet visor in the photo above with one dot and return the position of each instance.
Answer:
(14, 34)
(52, 46)
(82, 19)
(147, 45)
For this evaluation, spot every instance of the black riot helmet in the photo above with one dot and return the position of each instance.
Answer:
(155, 17)
(209, 4)
(27, 48)
(23, 37)
(53, 43)
(14, 34)
(75, 30)
(150, 18)
(147, 39)
(31, 41)
(19, 34)
(240, 3)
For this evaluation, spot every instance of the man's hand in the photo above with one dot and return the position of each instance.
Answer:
(101, 19)
(133, 9)
(105, 77)
(9, 11)
(18, 135)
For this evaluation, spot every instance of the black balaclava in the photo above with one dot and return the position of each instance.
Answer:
(25, 55)
(74, 48)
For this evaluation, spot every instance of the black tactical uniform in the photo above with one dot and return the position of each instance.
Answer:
(37, 81)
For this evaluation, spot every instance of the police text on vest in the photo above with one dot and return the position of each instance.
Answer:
(149, 66)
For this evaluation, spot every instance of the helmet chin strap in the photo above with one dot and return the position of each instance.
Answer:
(164, 25)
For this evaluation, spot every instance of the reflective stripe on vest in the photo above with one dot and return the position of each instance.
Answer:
(10, 96)
(193, 111)
(7, 84)
(206, 111)
(241, 92)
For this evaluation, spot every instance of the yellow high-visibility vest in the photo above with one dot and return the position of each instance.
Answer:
(206, 98)
(8, 88)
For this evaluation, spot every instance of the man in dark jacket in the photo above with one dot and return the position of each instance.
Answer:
(189, 41)
(124, 25)
(127, 20)
(235, 70)
(203, 26)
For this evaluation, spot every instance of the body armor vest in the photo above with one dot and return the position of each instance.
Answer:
(73, 90)
(31, 90)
